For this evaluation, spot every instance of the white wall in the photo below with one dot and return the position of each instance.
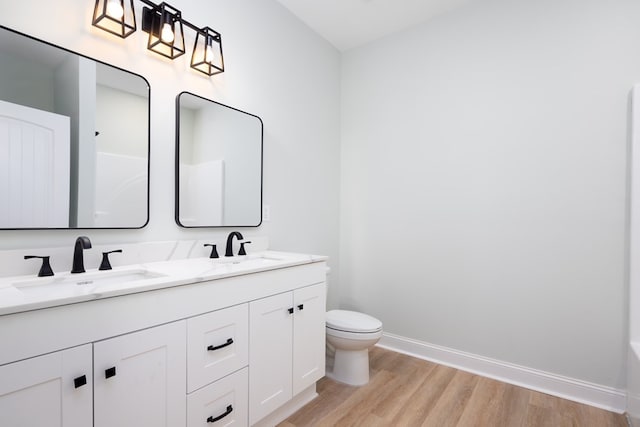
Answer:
(34, 90)
(124, 135)
(276, 68)
(484, 182)
(633, 360)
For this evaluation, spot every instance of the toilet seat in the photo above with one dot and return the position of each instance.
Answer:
(354, 336)
(352, 322)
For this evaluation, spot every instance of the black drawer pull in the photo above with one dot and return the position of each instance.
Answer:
(300, 306)
(290, 310)
(219, 417)
(218, 347)
(80, 381)
(111, 372)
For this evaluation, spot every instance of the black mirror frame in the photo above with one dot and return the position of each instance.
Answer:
(177, 165)
(2, 27)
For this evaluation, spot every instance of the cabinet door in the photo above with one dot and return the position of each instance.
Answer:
(42, 391)
(308, 336)
(270, 338)
(140, 378)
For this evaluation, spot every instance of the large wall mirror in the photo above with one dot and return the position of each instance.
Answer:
(218, 164)
(74, 139)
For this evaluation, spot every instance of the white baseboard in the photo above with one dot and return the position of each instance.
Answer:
(603, 397)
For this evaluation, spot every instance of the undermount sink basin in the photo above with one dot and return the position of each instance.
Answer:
(258, 259)
(83, 282)
(256, 262)
(248, 262)
(211, 268)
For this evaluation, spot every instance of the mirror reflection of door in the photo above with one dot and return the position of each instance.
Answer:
(34, 167)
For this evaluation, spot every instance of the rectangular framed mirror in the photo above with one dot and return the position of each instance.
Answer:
(219, 152)
(74, 139)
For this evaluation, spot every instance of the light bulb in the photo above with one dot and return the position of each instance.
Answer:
(208, 54)
(115, 9)
(166, 34)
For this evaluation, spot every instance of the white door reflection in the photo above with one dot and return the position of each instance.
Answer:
(34, 163)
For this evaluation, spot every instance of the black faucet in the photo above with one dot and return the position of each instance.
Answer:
(82, 242)
(229, 250)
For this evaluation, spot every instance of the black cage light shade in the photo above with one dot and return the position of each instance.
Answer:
(166, 32)
(207, 52)
(115, 16)
(165, 26)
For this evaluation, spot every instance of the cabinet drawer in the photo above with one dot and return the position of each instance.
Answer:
(217, 344)
(222, 403)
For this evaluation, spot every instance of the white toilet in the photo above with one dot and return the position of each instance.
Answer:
(349, 336)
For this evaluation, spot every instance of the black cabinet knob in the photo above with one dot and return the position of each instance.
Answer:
(111, 372)
(290, 310)
(80, 381)
(300, 306)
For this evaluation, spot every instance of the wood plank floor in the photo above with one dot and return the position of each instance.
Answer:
(405, 391)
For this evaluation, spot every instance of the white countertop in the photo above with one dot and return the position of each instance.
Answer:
(24, 293)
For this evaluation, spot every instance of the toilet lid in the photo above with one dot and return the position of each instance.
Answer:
(352, 321)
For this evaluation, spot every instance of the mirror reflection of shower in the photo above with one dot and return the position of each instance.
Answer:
(219, 165)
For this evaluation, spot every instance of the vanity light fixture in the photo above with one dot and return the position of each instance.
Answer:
(115, 16)
(165, 26)
(207, 52)
(166, 32)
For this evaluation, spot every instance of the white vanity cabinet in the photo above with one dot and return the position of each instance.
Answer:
(287, 347)
(53, 390)
(201, 353)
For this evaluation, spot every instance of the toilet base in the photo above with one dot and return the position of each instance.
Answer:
(350, 367)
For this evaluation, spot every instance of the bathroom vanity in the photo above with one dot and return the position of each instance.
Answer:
(195, 342)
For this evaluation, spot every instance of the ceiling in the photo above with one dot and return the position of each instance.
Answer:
(350, 23)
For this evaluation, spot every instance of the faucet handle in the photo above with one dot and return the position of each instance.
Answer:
(214, 251)
(105, 264)
(242, 251)
(45, 269)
